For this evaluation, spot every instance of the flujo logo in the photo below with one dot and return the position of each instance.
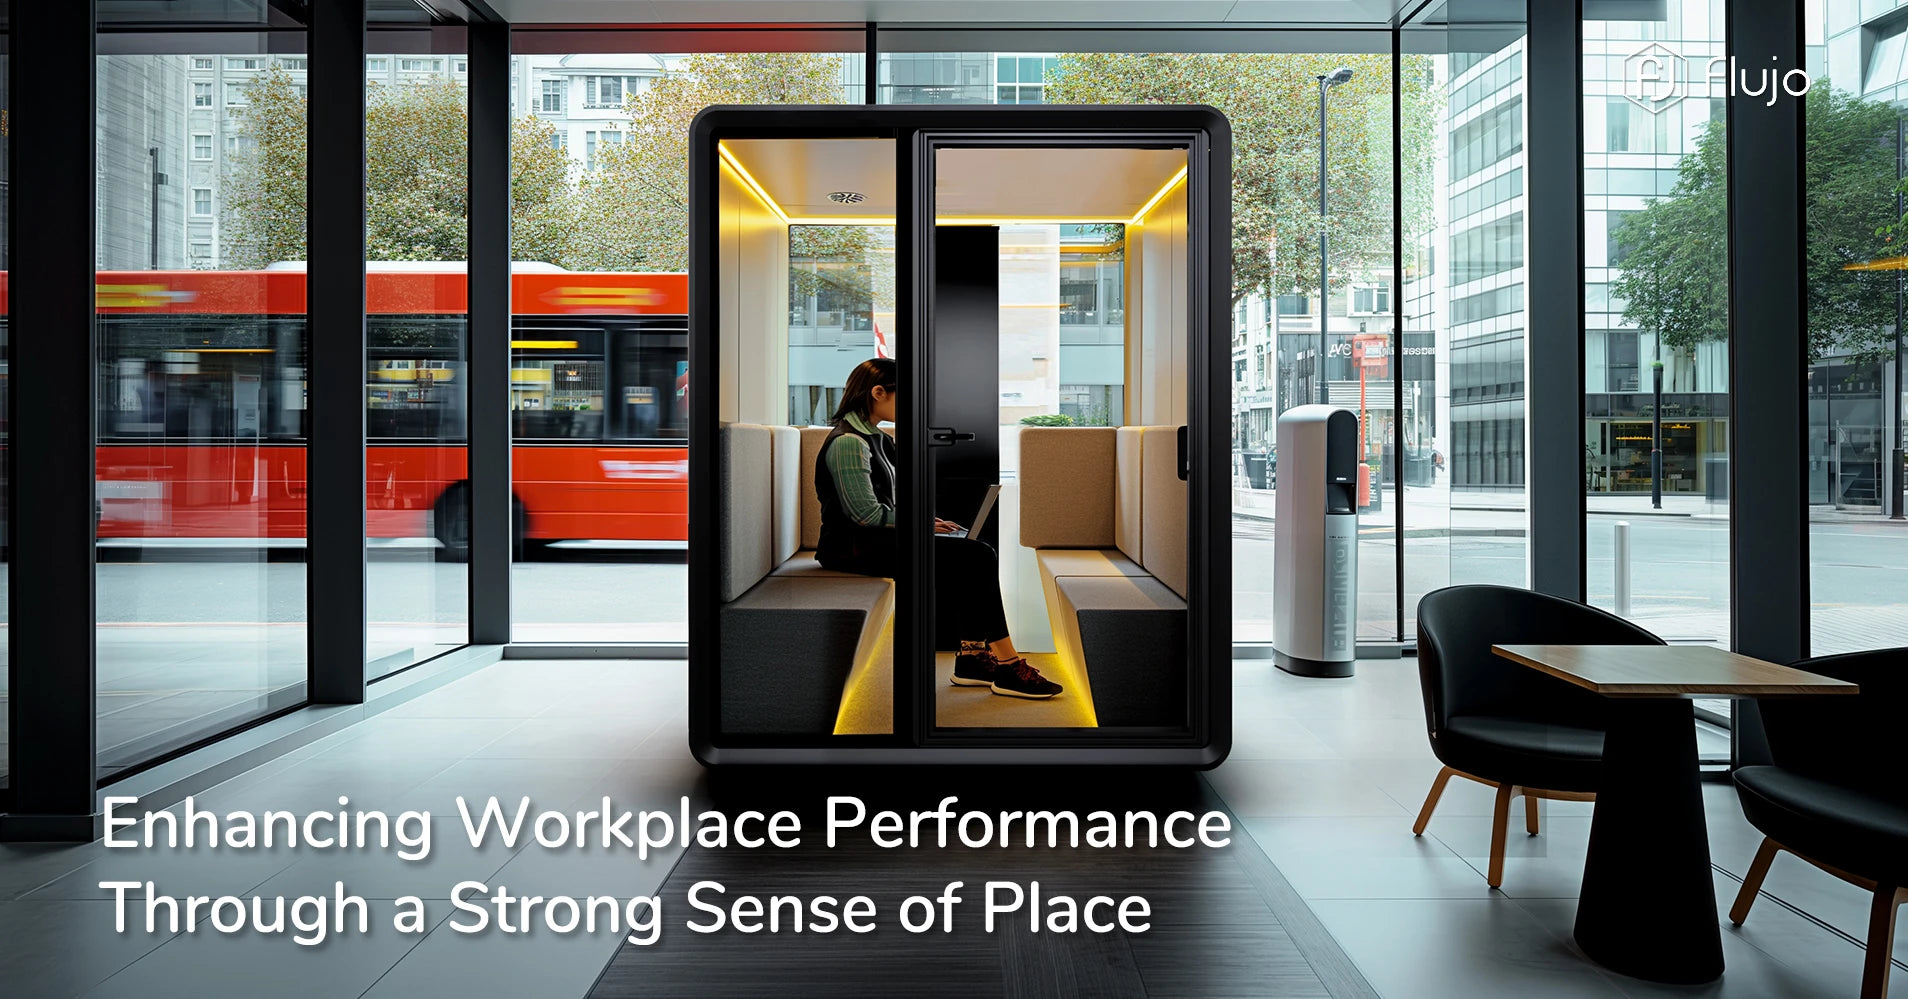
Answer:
(1656, 78)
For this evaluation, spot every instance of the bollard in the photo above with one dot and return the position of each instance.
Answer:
(1623, 568)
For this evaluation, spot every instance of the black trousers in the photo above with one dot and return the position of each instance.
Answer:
(967, 600)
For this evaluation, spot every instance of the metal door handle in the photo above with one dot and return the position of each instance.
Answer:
(946, 437)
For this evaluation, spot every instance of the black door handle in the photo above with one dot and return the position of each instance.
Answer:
(946, 437)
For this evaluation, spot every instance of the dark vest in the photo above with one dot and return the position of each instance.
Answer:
(844, 544)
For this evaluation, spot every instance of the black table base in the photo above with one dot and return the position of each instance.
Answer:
(1648, 905)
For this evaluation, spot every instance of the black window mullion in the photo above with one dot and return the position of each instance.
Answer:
(53, 682)
(335, 226)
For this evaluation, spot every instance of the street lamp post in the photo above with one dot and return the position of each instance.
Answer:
(1900, 468)
(1325, 83)
(1656, 426)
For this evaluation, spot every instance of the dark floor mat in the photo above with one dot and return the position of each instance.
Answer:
(1223, 921)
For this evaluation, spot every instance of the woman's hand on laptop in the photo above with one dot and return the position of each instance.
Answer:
(945, 526)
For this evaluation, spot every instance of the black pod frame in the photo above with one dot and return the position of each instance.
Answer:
(917, 132)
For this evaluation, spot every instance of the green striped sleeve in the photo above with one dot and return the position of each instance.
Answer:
(854, 483)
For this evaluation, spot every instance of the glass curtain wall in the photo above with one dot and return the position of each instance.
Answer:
(1462, 349)
(1858, 539)
(417, 498)
(1656, 359)
(201, 366)
(1273, 101)
(599, 360)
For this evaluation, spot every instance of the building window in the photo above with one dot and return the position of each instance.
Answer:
(1487, 139)
(1885, 59)
(553, 96)
(420, 65)
(1615, 246)
(201, 63)
(1492, 248)
(462, 65)
(592, 140)
(201, 145)
(603, 91)
(377, 65)
(202, 251)
(234, 94)
(201, 201)
(202, 95)
(249, 62)
(1628, 128)
(1371, 300)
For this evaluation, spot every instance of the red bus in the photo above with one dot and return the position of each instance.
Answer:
(202, 417)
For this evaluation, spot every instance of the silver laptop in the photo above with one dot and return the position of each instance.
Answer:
(979, 522)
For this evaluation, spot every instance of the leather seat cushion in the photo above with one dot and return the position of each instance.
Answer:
(1856, 830)
(1522, 751)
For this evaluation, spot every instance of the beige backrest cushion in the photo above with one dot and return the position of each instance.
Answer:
(1163, 508)
(1066, 487)
(810, 501)
(1126, 495)
(786, 450)
(746, 502)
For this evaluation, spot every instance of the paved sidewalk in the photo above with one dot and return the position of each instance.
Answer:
(1434, 511)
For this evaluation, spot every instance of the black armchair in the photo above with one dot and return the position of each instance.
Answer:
(1504, 725)
(1833, 794)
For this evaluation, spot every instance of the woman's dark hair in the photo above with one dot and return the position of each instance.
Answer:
(858, 396)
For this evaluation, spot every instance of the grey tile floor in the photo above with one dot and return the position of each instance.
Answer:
(1325, 775)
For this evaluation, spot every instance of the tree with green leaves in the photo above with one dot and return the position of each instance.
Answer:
(1272, 102)
(416, 178)
(636, 201)
(1674, 277)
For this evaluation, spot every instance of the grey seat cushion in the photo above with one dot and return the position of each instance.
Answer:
(803, 566)
(842, 591)
(1122, 592)
(1087, 562)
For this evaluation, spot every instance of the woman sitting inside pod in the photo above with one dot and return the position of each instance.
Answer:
(854, 479)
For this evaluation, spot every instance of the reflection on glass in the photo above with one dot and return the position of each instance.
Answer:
(1461, 445)
(417, 496)
(1858, 550)
(809, 394)
(1656, 360)
(201, 396)
(599, 364)
(1275, 339)
(1063, 603)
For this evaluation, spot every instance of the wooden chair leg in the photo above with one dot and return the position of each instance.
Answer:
(1752, 882)
(1431, 800)
(1881, 940)
(1500, 822)
(1530, 814)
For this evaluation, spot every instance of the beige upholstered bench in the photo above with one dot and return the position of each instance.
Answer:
(1105, 511)
(792, 631)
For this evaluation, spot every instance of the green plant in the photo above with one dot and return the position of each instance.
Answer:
(1047, 420)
